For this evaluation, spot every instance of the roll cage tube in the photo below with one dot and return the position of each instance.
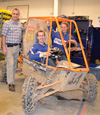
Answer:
(57, 20)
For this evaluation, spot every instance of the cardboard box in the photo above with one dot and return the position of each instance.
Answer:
(96, 72)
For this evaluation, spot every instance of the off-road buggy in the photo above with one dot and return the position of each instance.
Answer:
(43, 80)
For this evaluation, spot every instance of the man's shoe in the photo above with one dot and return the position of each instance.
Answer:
(11, 87)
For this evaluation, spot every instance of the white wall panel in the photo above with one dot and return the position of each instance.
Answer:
(89, 8)
(36, 7)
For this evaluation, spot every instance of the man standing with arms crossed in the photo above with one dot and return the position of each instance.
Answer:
(11, 39)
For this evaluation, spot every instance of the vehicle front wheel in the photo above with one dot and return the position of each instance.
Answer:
(28, 95)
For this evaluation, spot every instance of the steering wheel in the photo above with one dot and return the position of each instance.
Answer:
(55, 53)
(73, 45)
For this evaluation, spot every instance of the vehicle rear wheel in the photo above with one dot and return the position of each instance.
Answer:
(28, 95)
(90, 88)
(3, 75)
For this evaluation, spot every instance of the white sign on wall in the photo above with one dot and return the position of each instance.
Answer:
(98, 21)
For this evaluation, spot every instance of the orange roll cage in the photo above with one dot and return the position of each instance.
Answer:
(57, 20)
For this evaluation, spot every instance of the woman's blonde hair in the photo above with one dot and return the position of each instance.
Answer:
(67, 24)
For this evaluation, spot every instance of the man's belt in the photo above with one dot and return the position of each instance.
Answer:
(11, 45)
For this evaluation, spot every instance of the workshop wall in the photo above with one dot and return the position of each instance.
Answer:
(89, 8)
(36, 7)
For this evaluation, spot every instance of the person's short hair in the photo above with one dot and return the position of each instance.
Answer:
(67, 24)
(40, 31)
(16, 10)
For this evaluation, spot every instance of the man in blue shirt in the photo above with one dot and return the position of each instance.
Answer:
(39, 51)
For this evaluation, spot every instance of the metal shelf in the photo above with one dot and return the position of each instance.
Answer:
(3, 17)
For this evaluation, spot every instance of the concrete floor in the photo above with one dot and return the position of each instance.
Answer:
(10, 102)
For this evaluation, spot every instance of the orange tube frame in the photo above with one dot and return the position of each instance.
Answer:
(57, 20)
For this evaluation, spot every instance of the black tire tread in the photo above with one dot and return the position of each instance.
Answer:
(3, 76)
(28, 90)
(90, 94)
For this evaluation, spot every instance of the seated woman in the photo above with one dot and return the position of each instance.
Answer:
(39, 51)
(65, 32)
